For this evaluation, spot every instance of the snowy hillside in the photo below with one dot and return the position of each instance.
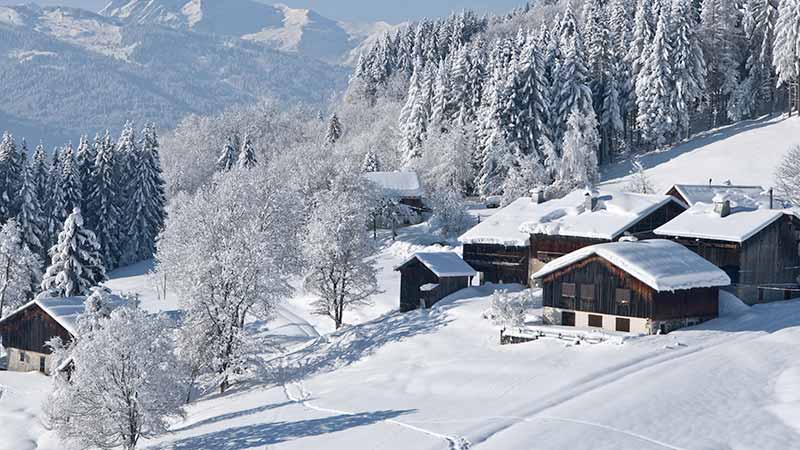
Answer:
(76, 71)
(746, 153)
(300, 31)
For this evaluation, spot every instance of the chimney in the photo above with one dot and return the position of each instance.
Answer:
(590, 201)
(722, 206)
(537, 195)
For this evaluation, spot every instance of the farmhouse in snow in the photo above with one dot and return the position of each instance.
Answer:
(403, 186)
(427, 278)
(739, 232)
(632, 286)
(26, 331)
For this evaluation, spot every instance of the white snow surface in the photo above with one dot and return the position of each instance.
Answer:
(403, 184)
(663, 265)
(701, 222)
(444, 264)
(614, 214)
(503, 228)
(699, 193)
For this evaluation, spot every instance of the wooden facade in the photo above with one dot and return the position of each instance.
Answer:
(414, 275)
(499, 263)
(595, 286)
(30, 329)
(770, 257)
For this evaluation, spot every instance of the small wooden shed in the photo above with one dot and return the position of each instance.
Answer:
(427, 278)
(641, 287)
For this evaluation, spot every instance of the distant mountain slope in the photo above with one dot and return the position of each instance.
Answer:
(744, 153)
(64, 71)
(279, 27)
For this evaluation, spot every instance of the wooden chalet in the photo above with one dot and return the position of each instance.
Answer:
(755, 245)
(653, 286)
(25, 332)
(404, 186)
(427, 278)
(585, 218)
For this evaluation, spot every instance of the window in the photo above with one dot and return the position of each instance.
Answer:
(622, 297)
(567, 295)
(42, 364)
(587, 297)
(595, 321)
(568, 319)
(623, 325)
(22, 356)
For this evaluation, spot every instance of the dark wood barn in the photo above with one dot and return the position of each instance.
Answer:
(25, 332)
(757, 248)
(429, 277)
(641, 287)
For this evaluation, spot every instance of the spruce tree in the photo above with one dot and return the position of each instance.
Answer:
(581, 140)
(572, 75)
(85, 156)
(51, 205)
(720, 36)
(10, 175)
(31, 220)
(370, 163)
(787, 48)
(334, 131)
(76, 265)
(146, 200)
(104, 203)
(67, 196)
(247, 155)
(654, 89)
(228, 158)
(689, 67)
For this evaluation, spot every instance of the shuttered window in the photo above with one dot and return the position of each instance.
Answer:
(588, 297)
(623, 296)
(567, 299)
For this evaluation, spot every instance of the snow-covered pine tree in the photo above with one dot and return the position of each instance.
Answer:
(654, 89)
(104, 203)
(334, 131)
(228, 159)
(688, 64)
(371, 163)
(40, 175)
(572, 75)
(247, 154)
(76, 264)
(605, 91)
(31, 218)
(10, 177)
(787, 48)
(757, 93)
(125, 162)
(720, 35)
(414, 116)
(579, 163)
(68, 196)
(531, 109)
(54, 174)
(85, 156)
(441, 100)
(146, 200)
(20, 269)
(643, 32)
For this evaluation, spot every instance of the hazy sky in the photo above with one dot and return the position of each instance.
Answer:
(393, 11)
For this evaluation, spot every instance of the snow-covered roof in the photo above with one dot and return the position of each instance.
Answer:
(443, 264)
(661, 264)
(614, 214)
(702, 222)
(65, 311)
(502, 228)
(704, 193)
(403, 184)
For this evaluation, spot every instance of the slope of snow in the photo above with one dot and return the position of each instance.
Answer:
(746, 153)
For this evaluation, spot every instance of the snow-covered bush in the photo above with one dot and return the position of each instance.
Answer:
(450, 215)
(639, 181)
(787, 176)
(125, 383)
(507, 310)
(228, 252)
(337, 248)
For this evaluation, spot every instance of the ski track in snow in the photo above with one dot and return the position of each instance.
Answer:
(454, 442)
(607, 380)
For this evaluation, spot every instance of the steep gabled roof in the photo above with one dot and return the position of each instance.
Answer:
(443, 264)
(661, 264)
(615, 213)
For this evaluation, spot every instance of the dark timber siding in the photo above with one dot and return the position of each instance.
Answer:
(644, 228)
(498, 263)
(414, 275)
(30, 329)
(645, 302)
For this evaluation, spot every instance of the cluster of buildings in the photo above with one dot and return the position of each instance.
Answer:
(638, 263)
